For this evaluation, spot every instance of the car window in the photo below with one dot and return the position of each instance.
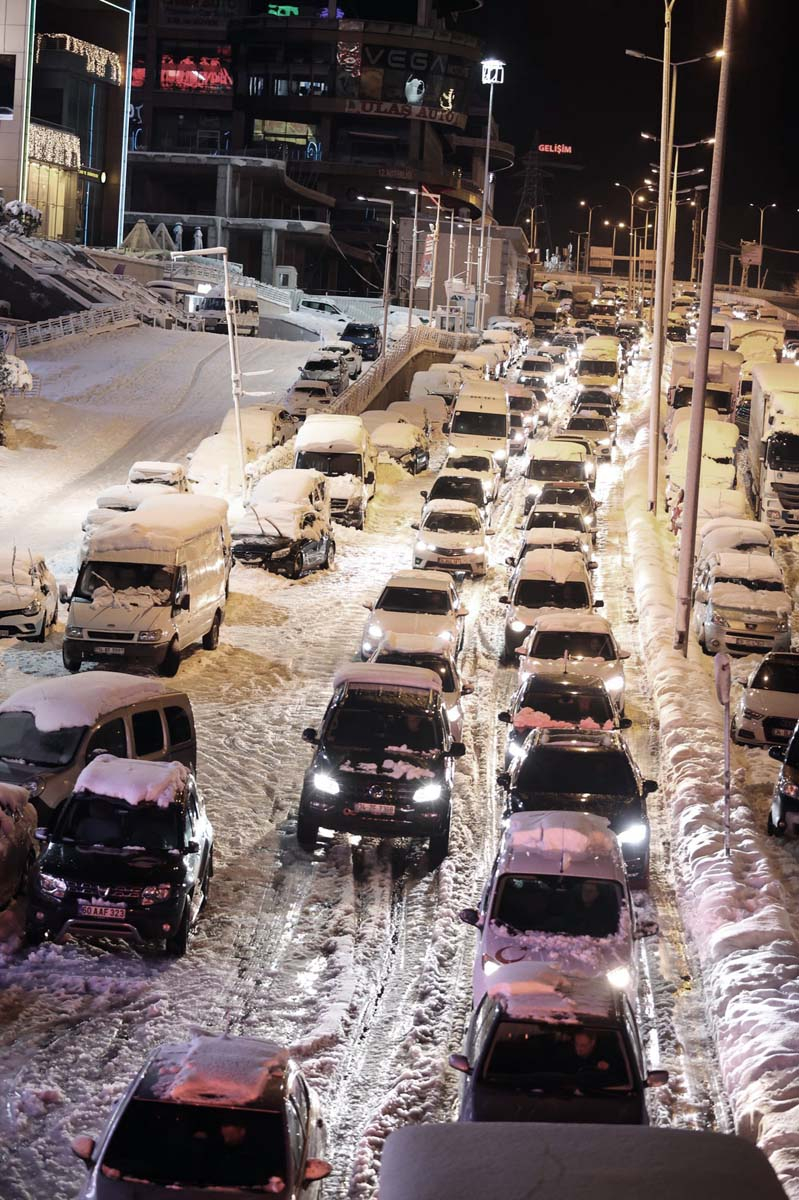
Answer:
(148, 732)
(178, 724)
(296, 1135)
(480, 1029)
(551, 1057)
(110, 738)
(569, 905)
(299, 1097)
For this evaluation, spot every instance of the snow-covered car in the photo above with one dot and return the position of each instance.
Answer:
(549, 701)
(713, 474)
(464, 486)
(554, 462)
(420, 650)
(327, 368)
(783, 816)
(51, 729)
(544, 1045)
(576, 645)
(554, 517)
(711, 504)
(585, 771)
(309, 395)
(384, 763)
(560, 358)
(570, 495)
(768, 707)
(475, 462)
(145, 479)
(585, 444)
(285, 526)
(557, 539)
(28, 595)
(741, 605)
(733, 533)
(221, 1115)
(353, 359)
(404, 443)
(595, 428)
(451, 537)
(21, 378)
(557, 894)
(129, 856)
(536, 371)
(543, 579)
(424, 602)
(598, 408)
(523, 402)
(517, 435)
(17, 839)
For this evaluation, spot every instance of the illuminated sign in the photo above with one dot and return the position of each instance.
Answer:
(206, 73)
(93, 175)
(493, 71)
(421, 112)
(282, 10)
(446, 99)
(554, 148)
(396, 59)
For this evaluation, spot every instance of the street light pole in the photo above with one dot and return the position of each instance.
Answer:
(434, 266)
(412, 284)
(387, 265)
(762, 208)
(590, 207)
(696, 427)
(493, 72)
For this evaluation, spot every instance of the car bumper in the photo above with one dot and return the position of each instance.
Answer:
(739, 642)
(58, 919)
(462, 563)
(768, 731)
(785, 814)
(400, 820)
(145, 654)
(17, 625)
(251, 555)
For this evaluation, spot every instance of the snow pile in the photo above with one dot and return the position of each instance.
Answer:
(230, 1071)
(136, 781)
(396, 436)
(162, 523)
(389, 767)
(79, 700)
(737, 910)
(129, 599)
(531, 718)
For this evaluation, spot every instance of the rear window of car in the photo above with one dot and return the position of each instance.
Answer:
(360, 331)
(148, 733)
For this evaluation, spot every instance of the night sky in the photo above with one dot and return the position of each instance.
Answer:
(567, 76)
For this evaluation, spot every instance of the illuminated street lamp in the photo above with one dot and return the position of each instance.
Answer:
(590, 207)
(493, 72)
(412, 281)
(762, 208)
(616, 226)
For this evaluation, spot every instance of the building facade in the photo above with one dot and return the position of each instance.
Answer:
(64, 95)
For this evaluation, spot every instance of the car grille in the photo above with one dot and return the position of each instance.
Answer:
(12, 612)
(787, 494)
(105, 635)
(338, 505)
(81, 887)
(447, 553)
(362, 789)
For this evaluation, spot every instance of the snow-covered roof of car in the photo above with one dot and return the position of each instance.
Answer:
(134, 780)
(288, 485)
(125, 497)
(412, 643)
(559, 565)
(740, 524)
(551, 537)
(215, 1070)
(345, 347)
(570, 621)
(530, 990)
(390, 675)
(331, 430)
(469, 452)
(559, 843)
(170, 470)
(451, 506)
(397, 435)
(420, 579)
(160, 523)
(80, 700)
(557, 508)
(557, 451)
(717, 436)
(748, 566)
(717, 502)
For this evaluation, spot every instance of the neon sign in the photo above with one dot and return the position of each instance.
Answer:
(554, 148)
(208, 73)
(282, 10)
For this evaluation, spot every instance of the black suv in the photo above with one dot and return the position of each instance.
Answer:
(585, 772)
(367, 338)
(542, 699)
(129, 855)
(384, 764)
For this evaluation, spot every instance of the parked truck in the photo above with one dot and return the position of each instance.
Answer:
(774, 445)
(723, 374)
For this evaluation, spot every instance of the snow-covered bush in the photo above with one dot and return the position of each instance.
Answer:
(18, 217)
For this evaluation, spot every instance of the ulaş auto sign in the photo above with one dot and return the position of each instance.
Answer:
(419, 112)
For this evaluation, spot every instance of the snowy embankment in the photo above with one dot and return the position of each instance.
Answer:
(736, 910)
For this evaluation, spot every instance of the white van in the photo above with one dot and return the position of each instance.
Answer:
(600, 364)
(153, 582)
(340, 447)
(481, 419)
(247, 313)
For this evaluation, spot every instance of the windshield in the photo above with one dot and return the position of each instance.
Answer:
(595, 366)
(576, 645)
(480, 424)
(752, 585)
(550, 520)
(331, 464)
(777, 677)
(783, 452)
(451, 523)
(415, 600)
(450, 487)
(198, 1146)
(571, 497)
(557, 904)
(554, 1058)
(122, 577)
(92, 820)
(431, 662)
(372, 720)
(520, 404)
(572, 705)
(322, 364)
(588, 423)
(536, 366)
(547, 593)
(20, 740)
(576, 770)
(360, 331)
(555, 468)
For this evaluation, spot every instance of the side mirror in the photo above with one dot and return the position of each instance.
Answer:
(592, 566)
(490, 532)
(504, 717)
(599, 604)
(503, 780)
(370, 478)
(41, 833)
(192, 847)
(185, 602)
(83, 1148)
(504, 600)
(777, 752)
(625, 653)
(309, 735)
(657, 1078)
(316, 1168)
(459, 1062)
(650, 786)
(469, 916)
(457, 750)
(467, 689)
(510, 561)
(625, 723)
(423, 495)
(647, 928)
(414, 524)
(63, 593)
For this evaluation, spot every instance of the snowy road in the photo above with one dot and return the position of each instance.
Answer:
(353, 957)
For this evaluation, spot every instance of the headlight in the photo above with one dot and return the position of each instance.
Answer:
(422, 546)
(790, 789)
(374, 630)
(633, 835)
(453, 450)
(32, 609)
(614, 388)
(159, 891)
(589, 518)
(752, 715)
(281, 553)
(75, 631)
(604, 441)
(500, 455)
(515, 749)
(427, 793)
(589, 468)
(447, 636)
(518, 626)
(714, 619)
(453, 714)
(52, 885)
(478, 550)
(152, 635)
(518, 436)
(326, 783)
(534, 489)
(619, 977)
(615, 683)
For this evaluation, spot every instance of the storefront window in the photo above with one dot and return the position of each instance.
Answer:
(195, 69)
(287, 139)
(54, 191)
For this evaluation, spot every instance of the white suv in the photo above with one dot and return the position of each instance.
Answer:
(425, 602)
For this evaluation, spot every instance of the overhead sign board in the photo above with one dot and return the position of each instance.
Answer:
(751, 254)
(419, 112)
(554, 148)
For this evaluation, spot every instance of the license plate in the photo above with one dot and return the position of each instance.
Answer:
(108, 912)
(783, 731)
(109, 649)
(376, 810)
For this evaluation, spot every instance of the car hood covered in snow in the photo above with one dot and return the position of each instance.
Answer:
(445, 627)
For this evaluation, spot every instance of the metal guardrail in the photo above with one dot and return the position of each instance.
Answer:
(93, 319)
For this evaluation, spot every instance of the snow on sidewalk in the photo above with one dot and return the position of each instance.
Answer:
(736, 910)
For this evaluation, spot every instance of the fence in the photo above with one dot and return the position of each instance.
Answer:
(91, 321)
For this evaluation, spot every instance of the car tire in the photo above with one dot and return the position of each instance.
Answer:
(330, 556)
(34, 937)
(307, 832)
(178, 943)
(297, 566)
(211, 638)
(209, 871)
(438, 846)
(171, 664)
(71, 663)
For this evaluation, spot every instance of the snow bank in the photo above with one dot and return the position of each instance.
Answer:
(80, 700)
(737, 910)
(136, 781)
